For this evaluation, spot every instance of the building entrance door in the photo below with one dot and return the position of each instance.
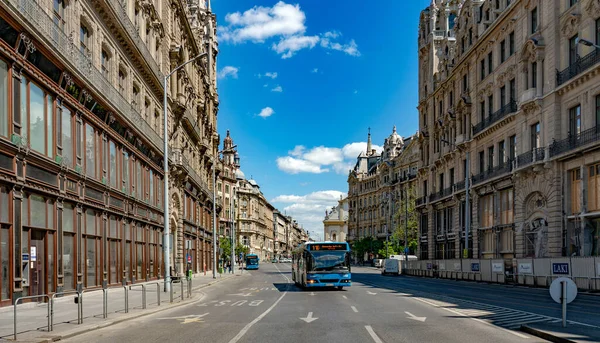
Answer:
(37, 270)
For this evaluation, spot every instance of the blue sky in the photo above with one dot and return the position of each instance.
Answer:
(300, 82)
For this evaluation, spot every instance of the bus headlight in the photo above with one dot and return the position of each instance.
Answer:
(346, 275)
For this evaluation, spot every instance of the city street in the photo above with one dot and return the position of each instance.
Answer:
(265, 306)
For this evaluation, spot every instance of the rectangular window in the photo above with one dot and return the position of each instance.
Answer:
(112, 170)
(58, 13)
(122, 82)
(90, 151)
(481, 161)
(534, 20)
(451, 99)
(576, 190)
(512, 147)
(451, 177)
(441, 185)
(511, 43)
(575, 120)
(465, 84)
(482, 111)
(502, 51)
(597, 112)
(83, 39)
(512, 89)
(482, 69)
(3, 99)
(597, 31)
(535, 136)
(501, 153)
(152, 200)
(490, 105)
(126, 172)
(104, 60)
(490, 157)
(490, 62)
(573, 50)
(506, 206)
(487, 210)
(66, 136)
(138, 175)
(572, 2)
(502, 96)
(534, 75)
(80, 141)
(593, 188)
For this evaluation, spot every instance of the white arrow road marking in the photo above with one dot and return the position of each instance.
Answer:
(345, 297)
(243, 294)
(412, 316)
(371, 293)
(373, 334)
(309, 318)
(312, 293)
(354, 309)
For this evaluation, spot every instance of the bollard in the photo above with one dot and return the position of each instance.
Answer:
(126, 299)
(181, 282)
(171, 292)
(104, 303)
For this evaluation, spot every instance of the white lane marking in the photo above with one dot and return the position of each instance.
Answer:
(354, 309)
(257, 319)
(412, 316)
(371, 293)
(345, 297)
(475, 319)
(373, 334)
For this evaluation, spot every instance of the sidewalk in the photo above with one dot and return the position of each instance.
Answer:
(554, 332)
(32, 318)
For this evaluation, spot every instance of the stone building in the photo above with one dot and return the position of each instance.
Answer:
(336, 222)
(509, 98)
(226, 186)
(281, 227)
(82, 144)
(378, 184)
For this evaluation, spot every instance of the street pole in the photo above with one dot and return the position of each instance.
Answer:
(406, 225)
(214, 264)
(166, 243)
(467, 208)
(232, 215)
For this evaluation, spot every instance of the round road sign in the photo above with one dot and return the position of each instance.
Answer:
(556, 289)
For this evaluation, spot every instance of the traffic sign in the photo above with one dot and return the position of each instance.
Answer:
(189, 258)
(556, 289)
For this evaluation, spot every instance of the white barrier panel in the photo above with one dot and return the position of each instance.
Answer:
(486, 270)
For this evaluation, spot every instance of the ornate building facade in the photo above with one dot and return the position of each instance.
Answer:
(378, 184)
(81, 142)
(335, 224)
(509, 98)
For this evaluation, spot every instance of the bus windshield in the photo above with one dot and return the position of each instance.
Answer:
(252, 260)
(329, 260)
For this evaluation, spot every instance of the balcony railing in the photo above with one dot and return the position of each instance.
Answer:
(441, 194)
(459, 186)
(575, 141)
(510, 107)
(119, 8)
(580, 65)
(439, 34)
(531, 156)
(194, 175)
(493, 172)
(82, 64)
(420, 201)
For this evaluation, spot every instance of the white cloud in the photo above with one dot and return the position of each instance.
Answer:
(277, 89)
(322, 159)
(309, 210)
(288, 46)
(266, 112)
(285, 22)
(355, 91)
(228, 71)
(271, 75)
(314, 71)
(266, 85)
(260, 23)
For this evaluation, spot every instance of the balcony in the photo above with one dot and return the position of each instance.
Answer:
(528, 95)
(82, 66)
(439, 34)
(121, 14)
(493, 172)
(535, 155)
(420, 201)
(441, 194)
(191, 124)
(194, 176)
(509, 108)
(459, 186)
(575, 141)
(580, 65)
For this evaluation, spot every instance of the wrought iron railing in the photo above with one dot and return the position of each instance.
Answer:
(420, 201)
(121, 11)
(529, 157)
(510, 107)
(441, 194)
(579, 66)
(575, 141)
(83, 65)
(459, 186)
(493, 172)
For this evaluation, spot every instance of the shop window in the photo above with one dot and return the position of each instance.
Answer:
(37, 117)
(112, 169)
(486, 204)
(90, 151)
(593, 188)
(3, 99)
(506, 206)
(576, 191)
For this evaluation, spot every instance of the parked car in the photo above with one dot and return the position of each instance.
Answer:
(377, 262)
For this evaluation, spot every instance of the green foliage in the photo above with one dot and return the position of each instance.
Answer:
(225, 244)
(389, 248)
(241, 249)
(366, 245)
(406, 205)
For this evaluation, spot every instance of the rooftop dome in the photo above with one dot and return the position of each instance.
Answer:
(239, 174)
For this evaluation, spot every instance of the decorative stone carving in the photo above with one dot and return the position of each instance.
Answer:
(535, 202)
(29, 46)
(530, 107)
(592, 7)
(570, 25)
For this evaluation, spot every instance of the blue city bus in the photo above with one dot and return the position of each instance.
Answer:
(322, 264)
(252, 261)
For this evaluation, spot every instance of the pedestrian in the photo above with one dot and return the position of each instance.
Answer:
(229, 266)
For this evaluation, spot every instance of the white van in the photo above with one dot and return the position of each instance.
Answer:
(393, 265)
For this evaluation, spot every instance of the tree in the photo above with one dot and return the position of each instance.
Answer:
(389, 248)
(366, 245)
(398, 236)
(241, 249)
(225, 245)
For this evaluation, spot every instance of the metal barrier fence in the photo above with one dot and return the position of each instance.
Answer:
(79, 307)
(31, 297)
(143, 293)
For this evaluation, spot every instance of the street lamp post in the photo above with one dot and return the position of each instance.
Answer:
(166, 244)
(586, 43)
(214, 169)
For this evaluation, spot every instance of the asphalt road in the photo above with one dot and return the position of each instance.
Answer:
(265, 306)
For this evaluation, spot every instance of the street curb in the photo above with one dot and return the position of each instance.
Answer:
(545, 335)
(118, 321)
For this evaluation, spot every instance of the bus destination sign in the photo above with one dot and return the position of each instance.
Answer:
(327, 246)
